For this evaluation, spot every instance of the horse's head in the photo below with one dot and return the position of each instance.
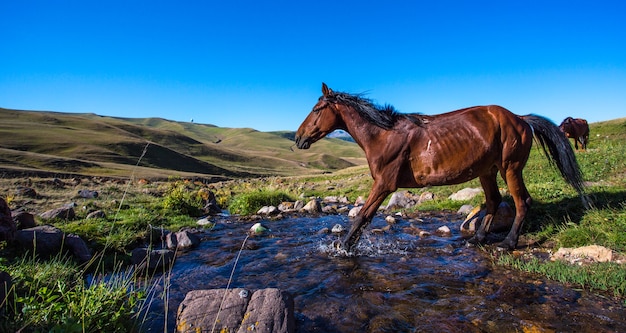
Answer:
(323, 119)
(566, 126)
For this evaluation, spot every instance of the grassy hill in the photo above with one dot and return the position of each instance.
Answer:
(68, 143)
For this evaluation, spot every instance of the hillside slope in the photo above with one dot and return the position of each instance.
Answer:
(91, 144)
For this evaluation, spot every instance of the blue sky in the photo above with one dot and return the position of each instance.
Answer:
(260, 64)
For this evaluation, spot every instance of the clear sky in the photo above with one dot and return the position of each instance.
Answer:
(260, 64)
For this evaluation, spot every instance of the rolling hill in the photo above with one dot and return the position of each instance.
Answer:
(70, 143)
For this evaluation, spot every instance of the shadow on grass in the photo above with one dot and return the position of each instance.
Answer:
(548, 217)
(569, 209)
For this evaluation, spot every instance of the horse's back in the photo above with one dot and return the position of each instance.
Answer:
(468, 143)
(489, 120)
(583, 126)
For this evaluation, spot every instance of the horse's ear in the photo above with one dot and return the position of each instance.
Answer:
(325, 90)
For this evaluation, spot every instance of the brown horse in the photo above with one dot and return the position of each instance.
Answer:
(413, 150)
(578, 129)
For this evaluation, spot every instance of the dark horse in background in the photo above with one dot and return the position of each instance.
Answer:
(414, 150)
(577, 129)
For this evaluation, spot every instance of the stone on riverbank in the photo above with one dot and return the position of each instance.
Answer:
(148, 261)
(267, 310)
(258, 229)
(465, 194)
(502, 220)
(312, 207)
(585, 255)
(46, 241)
(181, 240)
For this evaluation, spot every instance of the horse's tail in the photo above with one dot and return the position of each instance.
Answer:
(559, 152)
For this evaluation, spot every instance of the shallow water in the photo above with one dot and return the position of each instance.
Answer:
(395, 282)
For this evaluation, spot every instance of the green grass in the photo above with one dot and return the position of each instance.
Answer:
(52, 296)
(605, 277)
(606, 227)
(250, 202)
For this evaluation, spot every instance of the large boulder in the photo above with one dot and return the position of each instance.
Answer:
(7, 226)
(267, 310)
(46, 241)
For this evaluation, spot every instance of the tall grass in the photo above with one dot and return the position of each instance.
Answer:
(52, 296)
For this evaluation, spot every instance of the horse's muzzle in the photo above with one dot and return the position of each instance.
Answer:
(303, 143)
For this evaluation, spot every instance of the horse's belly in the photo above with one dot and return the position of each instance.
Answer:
(436, 179)
(453, 170)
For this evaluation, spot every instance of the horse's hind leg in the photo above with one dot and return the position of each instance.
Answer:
(522, 199)
(492, 201)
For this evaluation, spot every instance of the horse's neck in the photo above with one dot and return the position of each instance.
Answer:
(362, 131)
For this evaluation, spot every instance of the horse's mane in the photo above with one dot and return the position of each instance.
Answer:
(382, 116)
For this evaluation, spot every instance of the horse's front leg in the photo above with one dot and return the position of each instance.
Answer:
(364, 217)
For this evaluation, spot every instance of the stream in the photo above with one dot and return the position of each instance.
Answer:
(396, 282)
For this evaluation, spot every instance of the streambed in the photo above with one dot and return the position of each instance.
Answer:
(396, 282)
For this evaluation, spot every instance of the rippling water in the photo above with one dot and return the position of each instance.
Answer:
(396, 281)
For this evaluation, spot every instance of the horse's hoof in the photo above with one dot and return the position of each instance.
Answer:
(506, 246)
(474, 240)
(343, 247)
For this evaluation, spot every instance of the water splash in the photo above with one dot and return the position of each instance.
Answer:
(368, 246)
